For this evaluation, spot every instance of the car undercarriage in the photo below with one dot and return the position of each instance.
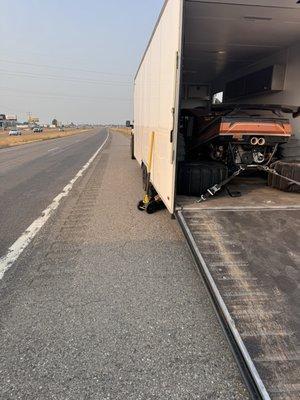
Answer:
(230, 139)
(236, 134)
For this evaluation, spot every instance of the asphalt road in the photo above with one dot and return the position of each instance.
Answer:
(106, 303)
(32, 175)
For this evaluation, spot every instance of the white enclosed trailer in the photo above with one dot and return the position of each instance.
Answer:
(156, 99)
(209, 43)
(247, 249)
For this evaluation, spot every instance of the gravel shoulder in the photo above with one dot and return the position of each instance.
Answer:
(106, 303)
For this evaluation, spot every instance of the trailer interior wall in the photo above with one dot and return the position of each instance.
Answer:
(228, 39)
(156, 98)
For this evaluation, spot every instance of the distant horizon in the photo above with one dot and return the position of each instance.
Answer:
(43, 73)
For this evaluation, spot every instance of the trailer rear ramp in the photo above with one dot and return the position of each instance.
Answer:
(249, 258)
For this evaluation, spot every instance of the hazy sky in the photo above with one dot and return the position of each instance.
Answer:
(72, 59)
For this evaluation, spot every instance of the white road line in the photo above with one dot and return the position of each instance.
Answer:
(54, 148)
(23, 241)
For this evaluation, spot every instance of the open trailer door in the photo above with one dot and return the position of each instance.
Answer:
(156, 98)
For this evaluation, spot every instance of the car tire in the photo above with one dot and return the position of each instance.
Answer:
(144, 176)
(132, 147)
(195, 177)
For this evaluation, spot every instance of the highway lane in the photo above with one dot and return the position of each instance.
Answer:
(32, 175)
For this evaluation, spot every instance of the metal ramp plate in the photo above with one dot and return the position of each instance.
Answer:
(250, 261)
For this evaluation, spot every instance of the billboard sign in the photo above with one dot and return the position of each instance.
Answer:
(11, 117)
(33, 120)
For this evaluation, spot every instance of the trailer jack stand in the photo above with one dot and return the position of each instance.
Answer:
(142, 205)
(151, 204)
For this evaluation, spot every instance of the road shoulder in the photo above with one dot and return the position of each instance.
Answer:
(106, 302)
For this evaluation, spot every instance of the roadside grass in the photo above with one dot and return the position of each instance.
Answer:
(124, 131)
(28, 137)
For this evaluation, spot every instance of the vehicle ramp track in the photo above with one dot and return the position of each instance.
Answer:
(249, 260)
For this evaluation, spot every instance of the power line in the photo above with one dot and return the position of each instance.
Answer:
(33, 75)
(64, 68)
(11, 109)
(62, 95)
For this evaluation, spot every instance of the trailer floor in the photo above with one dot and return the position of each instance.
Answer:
(251, 251)
(254, 194)
(106, 303)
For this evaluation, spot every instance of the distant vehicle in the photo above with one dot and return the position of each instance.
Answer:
(61, 129)
(37, 129)
(15, 132)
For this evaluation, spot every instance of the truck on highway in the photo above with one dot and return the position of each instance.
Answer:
(217, 135)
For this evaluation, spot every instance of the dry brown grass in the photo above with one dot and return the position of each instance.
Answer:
(28, 136)
(125, 131)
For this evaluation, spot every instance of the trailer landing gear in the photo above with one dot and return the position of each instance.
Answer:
(151, 201)
(150, 204)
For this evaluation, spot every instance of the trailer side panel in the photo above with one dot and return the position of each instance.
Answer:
(155, 97)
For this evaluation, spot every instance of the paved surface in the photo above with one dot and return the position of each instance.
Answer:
(106, 303)
(259, 283)
(32, 175)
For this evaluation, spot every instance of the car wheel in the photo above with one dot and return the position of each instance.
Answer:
(144, 176)
(132, 147)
